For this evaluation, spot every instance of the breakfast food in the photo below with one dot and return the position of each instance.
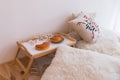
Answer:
(58, 34)
(56, 39)
(43, 46)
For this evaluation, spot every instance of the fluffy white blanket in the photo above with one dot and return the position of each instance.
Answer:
(107, 43)
(78, 64)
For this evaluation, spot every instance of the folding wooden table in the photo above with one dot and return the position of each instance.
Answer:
(32, 53)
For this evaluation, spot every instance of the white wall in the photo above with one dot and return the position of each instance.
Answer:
(20, 19)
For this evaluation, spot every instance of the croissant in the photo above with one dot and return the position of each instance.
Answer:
(43, 46)
(56, 39)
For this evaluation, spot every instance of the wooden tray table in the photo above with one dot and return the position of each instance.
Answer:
(32, 53)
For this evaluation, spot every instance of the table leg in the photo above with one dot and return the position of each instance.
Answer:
(14, 62)
(27, 69)
(74, 46)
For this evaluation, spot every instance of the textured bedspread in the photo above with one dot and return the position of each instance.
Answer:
(79, 64)
(108, 43)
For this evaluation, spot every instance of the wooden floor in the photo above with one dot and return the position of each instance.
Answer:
(4, 72)
(11, 70)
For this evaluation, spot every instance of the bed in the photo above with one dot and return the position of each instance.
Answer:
(80, 64)
(88, 61)
(98, 61)
(107, 43)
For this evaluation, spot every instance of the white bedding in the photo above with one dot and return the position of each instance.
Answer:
(79, 64)
(92, 61)
(107, 43)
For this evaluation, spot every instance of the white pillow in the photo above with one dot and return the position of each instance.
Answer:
(74, 35)
(86, 28)
(91, 15)
(78, 64)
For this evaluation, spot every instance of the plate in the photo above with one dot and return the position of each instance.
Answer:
(58, 41)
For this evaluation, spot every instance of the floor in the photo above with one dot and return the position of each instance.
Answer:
(36, 71)
(4, 72)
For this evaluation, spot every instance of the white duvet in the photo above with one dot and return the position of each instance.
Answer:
(107, 43)
(78, 64)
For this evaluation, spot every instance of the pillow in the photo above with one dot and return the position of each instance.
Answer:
(87, 29)
(78, 64)
(75, 15)
(91, 15)
(74, 35)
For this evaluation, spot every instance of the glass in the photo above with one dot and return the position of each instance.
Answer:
(36, 36)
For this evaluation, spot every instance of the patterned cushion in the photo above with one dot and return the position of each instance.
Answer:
(90, 15)
(86, 28)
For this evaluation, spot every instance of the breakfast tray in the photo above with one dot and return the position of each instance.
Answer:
(27, 47)
(32, 53)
